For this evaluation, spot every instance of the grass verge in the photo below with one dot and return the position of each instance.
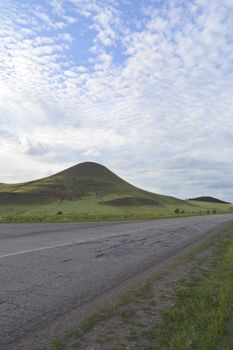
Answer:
(202, 317)
(89, 217)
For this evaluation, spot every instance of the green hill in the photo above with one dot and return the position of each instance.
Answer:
(80, 182)
(208, 199)
(87, 189)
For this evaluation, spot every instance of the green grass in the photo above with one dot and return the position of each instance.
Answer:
(83, 217)
(202, 317)
(58, 344)
(88, 210)
(102, 315)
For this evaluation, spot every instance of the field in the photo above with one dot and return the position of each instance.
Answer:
(89, 191)
(90, 210)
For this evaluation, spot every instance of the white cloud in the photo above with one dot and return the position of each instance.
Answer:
(92, 153)
(161, 112)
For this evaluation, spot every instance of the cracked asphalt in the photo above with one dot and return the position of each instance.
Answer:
(47, 270)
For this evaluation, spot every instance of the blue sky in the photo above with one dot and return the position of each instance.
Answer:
(143, 87)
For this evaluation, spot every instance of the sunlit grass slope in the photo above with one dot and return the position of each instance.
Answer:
(90, 188)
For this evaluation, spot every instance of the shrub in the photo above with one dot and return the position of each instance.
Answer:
(59, 213)
(177, 211)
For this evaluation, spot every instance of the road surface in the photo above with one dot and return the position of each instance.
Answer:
(46, 270)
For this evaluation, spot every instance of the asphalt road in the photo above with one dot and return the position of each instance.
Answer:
(46, 270)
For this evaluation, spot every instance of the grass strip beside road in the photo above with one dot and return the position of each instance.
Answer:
(93, 217)
(202, 317)
(187, 305)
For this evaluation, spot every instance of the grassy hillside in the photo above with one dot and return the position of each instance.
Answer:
(93, 190)
(209, 199)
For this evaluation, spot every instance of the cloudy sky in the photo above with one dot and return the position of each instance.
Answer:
(144, 87)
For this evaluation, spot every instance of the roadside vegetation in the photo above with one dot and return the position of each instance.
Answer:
(88, 217)
(202, 317)
(186, 305)
(88, 210)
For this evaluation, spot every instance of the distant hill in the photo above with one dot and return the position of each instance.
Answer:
(208, 199)
(80, 181)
